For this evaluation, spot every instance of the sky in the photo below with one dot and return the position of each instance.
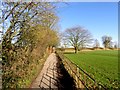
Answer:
(100, 18)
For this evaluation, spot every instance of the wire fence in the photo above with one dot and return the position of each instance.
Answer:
(81, 78)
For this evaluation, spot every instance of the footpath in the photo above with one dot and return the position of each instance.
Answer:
(53, 75)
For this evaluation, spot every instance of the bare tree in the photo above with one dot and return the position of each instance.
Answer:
(106, 41)
(78, 37)
(111, 45)
(96, 43)
(115, 45)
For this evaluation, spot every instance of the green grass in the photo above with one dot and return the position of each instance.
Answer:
(101, 65)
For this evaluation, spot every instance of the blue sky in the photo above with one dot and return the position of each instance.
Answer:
(100, 18)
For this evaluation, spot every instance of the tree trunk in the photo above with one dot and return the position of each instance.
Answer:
(75, 49)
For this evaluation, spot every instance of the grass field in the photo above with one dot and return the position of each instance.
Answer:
(101, 65)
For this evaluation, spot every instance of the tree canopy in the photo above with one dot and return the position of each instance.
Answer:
(28, 29)
(106, 41)
(78, 37)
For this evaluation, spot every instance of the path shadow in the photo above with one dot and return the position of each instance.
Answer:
(64, 78)
(49, 79)
(57, 77)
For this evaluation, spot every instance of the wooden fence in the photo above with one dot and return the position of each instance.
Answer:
(81, 78)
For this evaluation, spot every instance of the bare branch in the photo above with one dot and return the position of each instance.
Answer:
(78, 37)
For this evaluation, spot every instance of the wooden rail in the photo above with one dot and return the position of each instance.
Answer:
(81, 78)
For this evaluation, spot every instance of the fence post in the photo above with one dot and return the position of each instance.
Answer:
(76, 80)
(84, 78)
(71, 72)
(94, 85)
(99, 87)
(78, 76)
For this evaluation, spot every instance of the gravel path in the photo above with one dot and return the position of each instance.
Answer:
(48, 76)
